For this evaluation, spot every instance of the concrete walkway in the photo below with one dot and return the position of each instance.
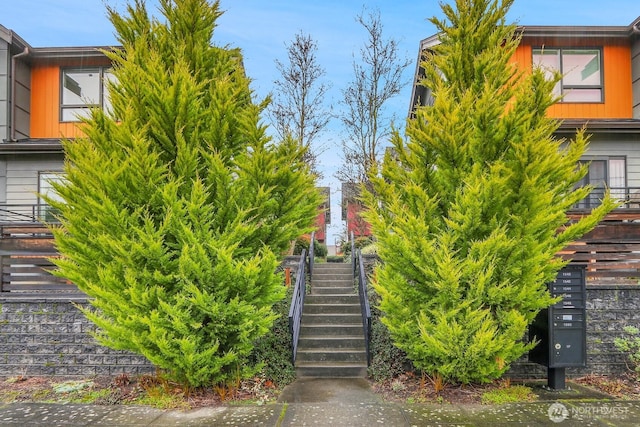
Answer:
(327, 403)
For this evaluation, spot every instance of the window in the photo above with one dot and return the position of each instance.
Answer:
(45, 179)
(581, 71)
(83, 88)
(604, 172)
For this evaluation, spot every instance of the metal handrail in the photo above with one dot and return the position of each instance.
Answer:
(365, 309)
(297, 303)
(364, 305)
(353, 253)
(312, 253)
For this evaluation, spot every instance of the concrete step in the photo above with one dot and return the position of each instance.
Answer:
(331, 299)
(331, 355)
(331, 276)
(331, 319)
(331, 330)
(321, 267)
(319, 290)
(351, 342)
(331, 308)
(331, 281)
(331, 370)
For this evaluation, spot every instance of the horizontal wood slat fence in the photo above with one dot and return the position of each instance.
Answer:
(30, 273)
(611, 253)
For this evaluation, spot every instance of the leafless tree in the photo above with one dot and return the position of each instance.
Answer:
(377, 78)
(299, 109)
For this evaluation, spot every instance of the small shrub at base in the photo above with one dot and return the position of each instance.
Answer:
(630, 345)
(516, 393)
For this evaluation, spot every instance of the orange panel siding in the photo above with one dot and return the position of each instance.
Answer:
(617, 81)
(45, 99)
(45, 105)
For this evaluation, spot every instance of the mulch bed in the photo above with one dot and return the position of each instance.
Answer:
(124, 389)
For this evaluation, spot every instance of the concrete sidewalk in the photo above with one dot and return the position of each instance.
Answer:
(333, 403)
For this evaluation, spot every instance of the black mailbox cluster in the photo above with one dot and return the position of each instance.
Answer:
(561, 329)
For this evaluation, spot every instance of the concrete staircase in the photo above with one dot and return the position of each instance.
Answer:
(331, 343)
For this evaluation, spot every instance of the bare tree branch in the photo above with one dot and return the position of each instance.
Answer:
(377, 78)
(298, 108)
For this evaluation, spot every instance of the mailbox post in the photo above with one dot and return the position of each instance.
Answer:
(561, 328)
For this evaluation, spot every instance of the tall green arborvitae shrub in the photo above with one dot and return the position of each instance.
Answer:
(470, 210)
(176, 205)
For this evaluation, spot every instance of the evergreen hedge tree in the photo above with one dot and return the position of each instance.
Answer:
(470, 210)
(176, 205)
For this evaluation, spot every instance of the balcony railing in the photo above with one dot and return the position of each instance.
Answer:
(27, 214)
(628, 196)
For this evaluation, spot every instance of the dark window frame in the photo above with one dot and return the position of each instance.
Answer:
(599, 186)
(567, 87)
(101, 70)
(45, 211)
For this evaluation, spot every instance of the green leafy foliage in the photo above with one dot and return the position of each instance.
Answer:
(304, 242)
(511, 394)
(470, 210)
(273, 351)
(630, 346)
(387, 360)
(176, 204)
(360, 243)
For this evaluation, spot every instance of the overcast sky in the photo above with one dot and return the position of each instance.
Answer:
(262, 27)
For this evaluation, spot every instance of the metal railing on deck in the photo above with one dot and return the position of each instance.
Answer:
(297, 303)
(361, 276)
(629, 197)
(27, 213)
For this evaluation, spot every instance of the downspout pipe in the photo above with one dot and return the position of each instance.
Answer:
(25, 52)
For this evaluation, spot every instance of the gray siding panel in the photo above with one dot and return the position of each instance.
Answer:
(3, 181)
(22, 108)
(620, 145)
(4, 73)
(635, 78)
(4, 90)
(635, 48)
(23, 97)
(22, 124)
(22, 177)
(3, 119)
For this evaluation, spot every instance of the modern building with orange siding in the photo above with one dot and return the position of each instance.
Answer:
(43, 92)
(600, 91)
